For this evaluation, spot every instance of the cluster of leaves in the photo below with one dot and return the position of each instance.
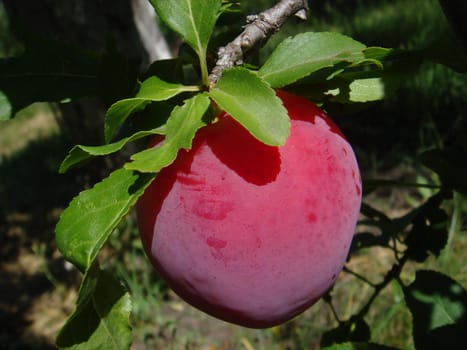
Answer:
(328, 67)
(436, 301)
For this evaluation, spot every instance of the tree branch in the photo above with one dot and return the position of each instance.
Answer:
(149, 31)
(258, 30)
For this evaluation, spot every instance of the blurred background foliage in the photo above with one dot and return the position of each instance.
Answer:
(428, 110)
(8, 45)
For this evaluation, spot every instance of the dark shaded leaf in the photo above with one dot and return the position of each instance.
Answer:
(439, 308)
(389, 228)
(101, 317)
(358, 346)
(449, 163)
(455, 13)
(118, 74)
(170, 70)
(49, 71)
(429, 233)
(353, 330)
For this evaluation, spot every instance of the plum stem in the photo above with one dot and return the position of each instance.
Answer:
(257, 31)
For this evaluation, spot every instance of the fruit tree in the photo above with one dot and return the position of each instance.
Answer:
(248, 195)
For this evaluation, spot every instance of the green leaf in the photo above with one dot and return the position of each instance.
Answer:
(378, 53)
(445, 162)
(377, 76)
(365, 90)
(389, 228)
(155, 89)
(358, 346)
(114, 87)
(355, 329)
(299, 56)
(359, 90)
(119, 112)
(48, 71)
(151, 90)
(447, 51)
(91, 217)
(5, 107)
(170, 70)
(101, 317)
(80, 153)
(253, 103)
(445, 337)
(194, 20)
(429, 232)
(181, 128)
(454, 11)
(436, 301)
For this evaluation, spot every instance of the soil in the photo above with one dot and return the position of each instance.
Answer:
(32, 309)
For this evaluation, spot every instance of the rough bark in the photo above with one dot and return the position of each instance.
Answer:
(150, 34)
(258, 30)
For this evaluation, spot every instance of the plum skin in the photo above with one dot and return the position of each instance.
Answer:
(249, 233)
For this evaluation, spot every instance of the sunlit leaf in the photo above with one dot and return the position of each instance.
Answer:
(253, 103)
(152, 89)
(5, 107)
(86, 224)
(299, 56)
(359, 90)
(378, 53)
(80, 153)
(194, 20)
(180, 130)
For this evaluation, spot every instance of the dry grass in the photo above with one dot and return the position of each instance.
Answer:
(33, 123)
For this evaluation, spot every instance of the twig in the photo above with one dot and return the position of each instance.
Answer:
(258, 30)
(392, 274)
(360, 277)
(328, 300)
